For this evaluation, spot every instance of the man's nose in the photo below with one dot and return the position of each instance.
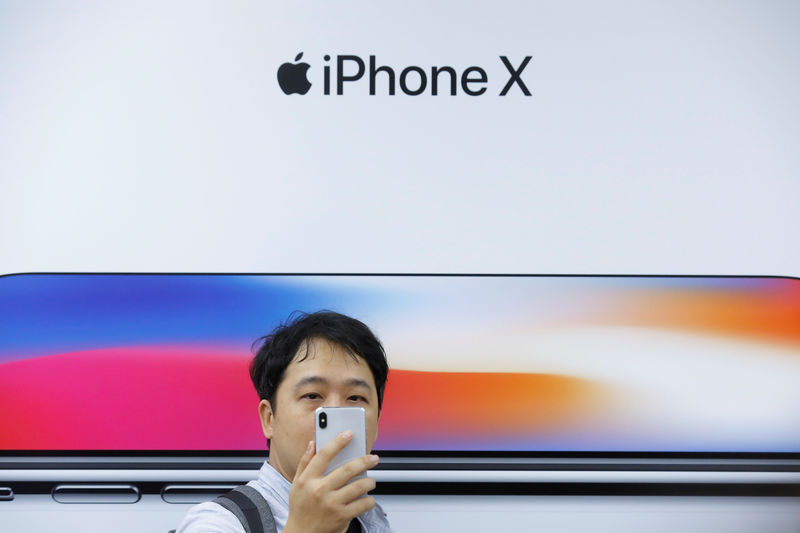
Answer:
(335, 400)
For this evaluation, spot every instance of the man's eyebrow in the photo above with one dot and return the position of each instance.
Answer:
(310, 380)
(355, 382)
(319, 380)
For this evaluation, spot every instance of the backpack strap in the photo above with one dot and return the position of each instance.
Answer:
(250, 507)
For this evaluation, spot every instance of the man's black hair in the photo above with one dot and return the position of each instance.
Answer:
(277, 349)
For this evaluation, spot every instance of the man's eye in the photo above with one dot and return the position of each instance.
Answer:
(358, 399)
(312, 396)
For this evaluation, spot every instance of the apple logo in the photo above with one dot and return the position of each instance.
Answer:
(292, 77)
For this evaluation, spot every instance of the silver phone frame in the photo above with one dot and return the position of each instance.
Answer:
(348, 453)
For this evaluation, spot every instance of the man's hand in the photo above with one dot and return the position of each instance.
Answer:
(327, 504)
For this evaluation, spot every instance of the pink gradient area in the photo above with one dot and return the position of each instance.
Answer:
(130, 398)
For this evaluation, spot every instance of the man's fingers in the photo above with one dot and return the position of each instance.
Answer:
(355, 490)
(318, 464)
(361, 505)
(349, 470)
(305, 459)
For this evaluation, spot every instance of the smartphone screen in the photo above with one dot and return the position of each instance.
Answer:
(331, 422)
(514, 364)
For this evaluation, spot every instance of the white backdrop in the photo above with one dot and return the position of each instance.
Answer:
(661, 137)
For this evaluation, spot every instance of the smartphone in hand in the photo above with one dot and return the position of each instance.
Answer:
(331, 422)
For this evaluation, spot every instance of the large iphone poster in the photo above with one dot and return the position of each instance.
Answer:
(481, 364)
(583, 136)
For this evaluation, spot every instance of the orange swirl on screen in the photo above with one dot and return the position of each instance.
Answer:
(771, 313)
(461, 403)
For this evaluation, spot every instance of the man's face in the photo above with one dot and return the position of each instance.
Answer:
(328, 376)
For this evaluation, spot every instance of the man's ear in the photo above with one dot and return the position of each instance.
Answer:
(374, 437)
(266, 414)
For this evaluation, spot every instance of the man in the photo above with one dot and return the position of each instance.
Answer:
(322, 359)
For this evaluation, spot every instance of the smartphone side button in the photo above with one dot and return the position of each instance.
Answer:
(6, 494)
(96, 494)
(193, 493)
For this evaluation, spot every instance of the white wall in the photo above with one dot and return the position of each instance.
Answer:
(418, 514)
(661, 137)
(152, 136)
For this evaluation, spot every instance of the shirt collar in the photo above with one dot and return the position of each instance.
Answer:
(274, 481)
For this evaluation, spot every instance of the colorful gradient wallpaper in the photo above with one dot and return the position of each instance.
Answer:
(478, 363)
